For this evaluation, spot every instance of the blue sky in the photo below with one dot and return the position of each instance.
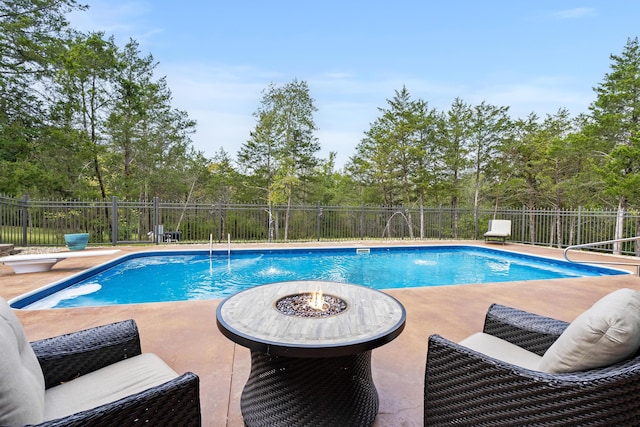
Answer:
(218, 56)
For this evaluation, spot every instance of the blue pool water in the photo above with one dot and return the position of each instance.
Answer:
(193, 275)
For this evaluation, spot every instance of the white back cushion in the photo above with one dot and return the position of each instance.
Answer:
(21, 379)
(606, 333)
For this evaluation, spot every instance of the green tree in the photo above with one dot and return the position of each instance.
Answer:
(372, 166)
(85, 90)
(389, 162)
(260, 156)
(456, 131)
(174, 168)
(223, 179)
(281, 155)
(134, 91)
(522, 154)
(32, 33)
(81, 118)
(538, 164)
(333, 188)
(455, 144)
(148, 139)
(427, 174)
(563, 158)
(489, 126)
(616, 113)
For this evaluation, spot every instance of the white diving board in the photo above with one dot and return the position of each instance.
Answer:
(43, 262)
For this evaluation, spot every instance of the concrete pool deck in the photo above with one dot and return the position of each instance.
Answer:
(185, 335)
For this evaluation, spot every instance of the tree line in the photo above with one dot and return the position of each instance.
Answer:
(83, 118)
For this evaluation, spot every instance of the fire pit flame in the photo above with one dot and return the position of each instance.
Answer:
(317, 302)
(311, 304)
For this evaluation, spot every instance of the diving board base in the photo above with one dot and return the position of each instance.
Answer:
(44, 262)
(32, 266)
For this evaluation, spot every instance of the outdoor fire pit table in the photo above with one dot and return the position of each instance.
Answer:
(311, 345)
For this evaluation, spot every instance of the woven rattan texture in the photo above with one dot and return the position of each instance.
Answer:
(463, 387)
(527, 330)
(66, 357)
(334, 391)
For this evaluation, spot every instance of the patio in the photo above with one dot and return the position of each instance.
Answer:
(185, 335)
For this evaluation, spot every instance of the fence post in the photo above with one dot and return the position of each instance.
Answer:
(362, 223)
(319, 218)
(477, 222)
(220, 227)
(524, 225)
(25, 218)
(402, 220)
(421, 220)
(271, 224)
(579, 225)
(156, 221)
(440, 222)
(114, 221)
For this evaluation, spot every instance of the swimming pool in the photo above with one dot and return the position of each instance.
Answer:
(193, 275)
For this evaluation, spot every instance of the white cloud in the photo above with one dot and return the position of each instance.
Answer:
(217, 129)
(123, 21)
(223, 97)
(223, 100)
(343, 143)
(223, 104)
(541, 96)
(576, 13)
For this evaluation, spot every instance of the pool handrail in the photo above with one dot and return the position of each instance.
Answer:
(604, 242)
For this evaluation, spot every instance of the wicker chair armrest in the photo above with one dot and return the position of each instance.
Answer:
(464, 387)
(530, 331)
(176, 402)
(68, 356)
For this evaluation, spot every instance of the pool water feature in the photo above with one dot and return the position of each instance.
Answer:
(195, 275)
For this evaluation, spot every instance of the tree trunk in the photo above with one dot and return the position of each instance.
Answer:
(476, 192)
(421, 219)
(532, 225)
(287, 214)
(622, 207)
(409, 224)
(559, 229)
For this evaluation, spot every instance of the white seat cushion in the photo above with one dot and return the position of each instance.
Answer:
(607, 333)
(106, 385)
(502, 350)
(499, 228)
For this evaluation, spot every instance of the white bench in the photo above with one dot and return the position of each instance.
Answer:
(43, 262)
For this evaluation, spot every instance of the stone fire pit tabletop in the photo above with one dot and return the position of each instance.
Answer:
(369, 314)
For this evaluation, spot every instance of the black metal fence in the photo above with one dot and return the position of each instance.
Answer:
(25, 222)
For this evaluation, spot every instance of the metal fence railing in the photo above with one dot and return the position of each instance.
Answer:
(26, 222)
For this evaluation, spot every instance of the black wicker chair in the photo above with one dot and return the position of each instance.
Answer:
(175, 401)
(65, 357)
(465, 387)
